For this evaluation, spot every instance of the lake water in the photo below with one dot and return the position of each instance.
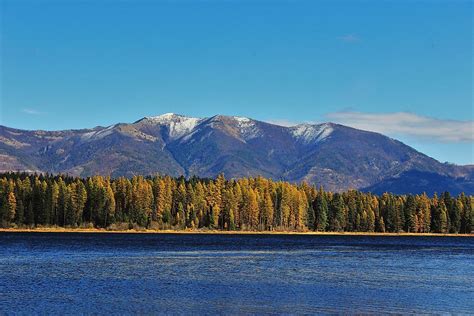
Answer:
(77, 273)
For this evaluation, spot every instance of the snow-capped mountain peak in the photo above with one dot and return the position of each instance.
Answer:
(167, 117)
(241, 119)
(179, 125)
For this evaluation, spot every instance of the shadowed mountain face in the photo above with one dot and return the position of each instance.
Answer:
(422, 181)
(332, 155)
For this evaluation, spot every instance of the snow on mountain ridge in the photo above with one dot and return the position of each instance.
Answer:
(179, 125)
(247, 127)
(308, 133)
(98, 134)
(241, 119)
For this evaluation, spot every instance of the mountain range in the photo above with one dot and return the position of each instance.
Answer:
(335, 156)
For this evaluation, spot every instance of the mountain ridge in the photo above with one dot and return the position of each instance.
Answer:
(329, 154)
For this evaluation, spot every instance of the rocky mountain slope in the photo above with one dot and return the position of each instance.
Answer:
(335, 156)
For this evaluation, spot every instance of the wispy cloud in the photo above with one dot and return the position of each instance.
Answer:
(349, 38)
(408, 124)
(30, 111)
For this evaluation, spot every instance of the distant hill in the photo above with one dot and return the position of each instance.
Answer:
(335, 156)
(415, 181)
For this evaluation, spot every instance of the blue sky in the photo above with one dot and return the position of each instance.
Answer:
(403, 68)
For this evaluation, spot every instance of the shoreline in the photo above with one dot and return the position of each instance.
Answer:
(219, 232)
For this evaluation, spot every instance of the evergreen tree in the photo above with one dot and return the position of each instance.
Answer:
(321, 210)
(109, 205)
(10, 207)
(253, 209)
(268, 211)
(410, 214)
(370, 220)
(455, 216)
(285, 206)
(336, 214)
(443, 218)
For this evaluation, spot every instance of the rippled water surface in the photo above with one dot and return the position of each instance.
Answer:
(81, 273)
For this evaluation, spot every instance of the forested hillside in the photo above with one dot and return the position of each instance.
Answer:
(254, 204)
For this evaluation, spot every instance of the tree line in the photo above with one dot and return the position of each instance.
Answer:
(258, 204)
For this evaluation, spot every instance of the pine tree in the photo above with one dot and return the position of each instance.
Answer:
(351, 210)
(253, 209)
(321, 211)
(52, 194)
(239, 203)
(448, 202)
(38, 201)
(285, 206)
(381, 225)
(425, 211)
(160, 199)
(230, 205)
(370, 220)
(466, 216)
(434, 225)
(109, 207)
(443, 218)
(81, 194)
(62, 202)
(21, 199)
(71, 208)
(455, 217)
(336, 214)
(301, 209)
(470, 207)
(10, 207)
(268, 210)
(410, 214)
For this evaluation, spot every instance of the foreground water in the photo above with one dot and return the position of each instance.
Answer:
(77, 273)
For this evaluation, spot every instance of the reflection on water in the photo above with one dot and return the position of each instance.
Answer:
(143, 273)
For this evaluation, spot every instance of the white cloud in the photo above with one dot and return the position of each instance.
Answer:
(408, 124)
(30, 111)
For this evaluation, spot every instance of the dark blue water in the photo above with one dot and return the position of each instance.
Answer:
(142, 273)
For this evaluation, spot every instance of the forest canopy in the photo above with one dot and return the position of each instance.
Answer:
(247, 204)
